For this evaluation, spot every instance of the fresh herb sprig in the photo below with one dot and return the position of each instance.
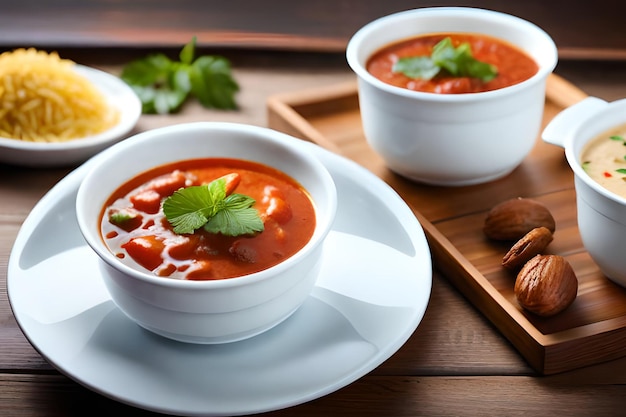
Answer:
(210, 207)
(163, 84)
(446, 59)
(618, 138)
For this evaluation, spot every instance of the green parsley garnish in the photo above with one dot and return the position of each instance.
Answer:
(125, 219)
(208, 206)
(163, 85)
(585, 165)
(458, 62)
(121, 217)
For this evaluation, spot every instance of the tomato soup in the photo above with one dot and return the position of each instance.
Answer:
(513, 65)
(604, 160)
(147, 239)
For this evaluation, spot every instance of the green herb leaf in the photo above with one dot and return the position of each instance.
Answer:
(208, 206)
(585, 165)
(417, 67)
(235, 217)
(164, 85)
(445, 56)
(121, 217)
(159, 100)
(189, 208)
(446, 59)
(621, 170)
(153, 69)
(212, 83)
(187, 53)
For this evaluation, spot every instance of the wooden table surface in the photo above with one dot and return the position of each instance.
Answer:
(456, 363)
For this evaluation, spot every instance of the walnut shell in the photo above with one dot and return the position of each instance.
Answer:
(533, 243)
(546, 285)
(512, 219)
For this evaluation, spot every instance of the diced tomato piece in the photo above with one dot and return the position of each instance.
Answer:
(280, 234)
(277, 207)
(232, 181)
(125, 219)
(279, 210)
(182, 249)
(165, 185)
(200, 270)
(146, 251)
(148, 201)
(270, 191)
(455, 86)
(166, 270)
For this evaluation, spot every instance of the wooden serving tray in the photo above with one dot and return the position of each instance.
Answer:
(591, 330)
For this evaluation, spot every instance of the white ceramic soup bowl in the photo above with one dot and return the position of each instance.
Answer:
(451, 139)
(601, 214)
(215, 311)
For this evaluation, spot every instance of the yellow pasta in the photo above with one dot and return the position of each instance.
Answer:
(43, 99)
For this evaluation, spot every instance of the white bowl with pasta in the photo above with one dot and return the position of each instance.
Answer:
(41, 152)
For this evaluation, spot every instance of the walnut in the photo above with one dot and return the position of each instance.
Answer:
(546, 285)
(533, 243)
(512, 219)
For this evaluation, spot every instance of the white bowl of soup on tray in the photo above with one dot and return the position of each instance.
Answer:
(451, 96)
(207, 232)
(54, 112)
(593, 134)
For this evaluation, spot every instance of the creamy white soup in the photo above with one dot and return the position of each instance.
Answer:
(604, 159)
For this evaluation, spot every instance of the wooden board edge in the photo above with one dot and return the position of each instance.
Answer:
(316, 94)
(562, 92)
(281, 113)
(547, 354)
(484, 297)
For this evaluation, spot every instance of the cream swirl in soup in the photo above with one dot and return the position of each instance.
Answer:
(604, 160)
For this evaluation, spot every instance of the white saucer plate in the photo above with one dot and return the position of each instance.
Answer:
(371, 296)
(49, 154)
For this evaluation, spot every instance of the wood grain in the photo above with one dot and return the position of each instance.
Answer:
(456, 363)
(580, 30)
(372, 395)
(592, 330)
